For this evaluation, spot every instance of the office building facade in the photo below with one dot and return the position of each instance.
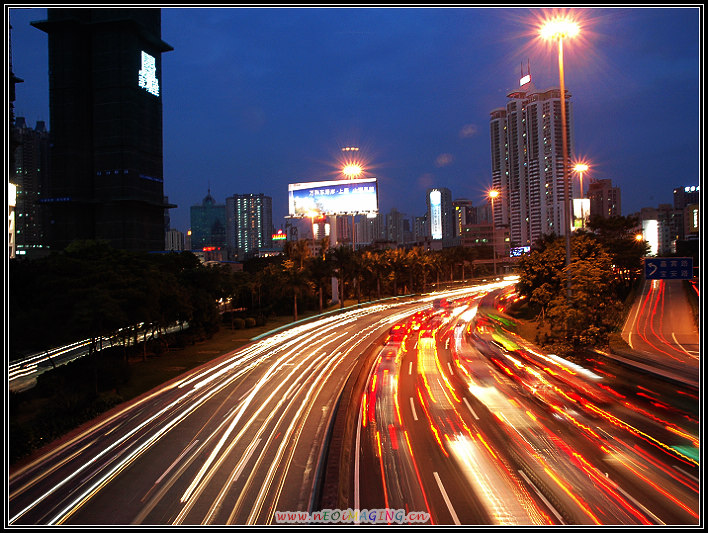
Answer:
(208, 224)
(605, 200)
(526, 139)
(30, 174)
(105, 101)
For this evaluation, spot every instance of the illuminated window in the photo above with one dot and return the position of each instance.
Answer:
(147, 75)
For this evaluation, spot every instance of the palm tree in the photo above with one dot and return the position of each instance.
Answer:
(320, 271)
(298, 251)
(426, 262)
(397, 265)
(296, 280)
(372, 264)
(342, 259)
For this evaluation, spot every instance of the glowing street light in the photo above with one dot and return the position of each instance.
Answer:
(352, 170)
(560, 29)
(492, 195)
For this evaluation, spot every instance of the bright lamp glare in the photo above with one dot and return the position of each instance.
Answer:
(351, 170)
(559, 29)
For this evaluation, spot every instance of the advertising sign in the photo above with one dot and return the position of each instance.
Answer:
(668, 268)
(436, 214)
(336, 197)
(518, 251)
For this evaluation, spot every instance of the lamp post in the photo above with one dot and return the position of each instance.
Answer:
(580, 168)
(560, 29)
(352, 171)
(492, 195)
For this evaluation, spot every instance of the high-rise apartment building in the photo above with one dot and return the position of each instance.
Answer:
(685, 197)
(527, 162)
(31, 160)
(398, 227)
(371, 229)
(105, 104)
(249, 223)
(208, 224)
(605, 200)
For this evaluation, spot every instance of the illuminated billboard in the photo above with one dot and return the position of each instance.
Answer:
(336, 197)
(436, 214)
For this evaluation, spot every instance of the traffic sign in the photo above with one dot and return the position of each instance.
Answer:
(668, 268)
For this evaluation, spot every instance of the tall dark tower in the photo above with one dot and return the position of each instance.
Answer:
(105, 106)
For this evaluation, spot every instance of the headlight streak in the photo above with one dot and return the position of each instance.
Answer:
(235, 473)
(324, 363)
(363, 334)
(688, 483)
(70, 509)
(610, 489)
(656, 487)
(245, 404)
(86, 494)
(104, 452)
(520, 508)
(216, 379)
(293, 371)
(311, 394)
(660, 445)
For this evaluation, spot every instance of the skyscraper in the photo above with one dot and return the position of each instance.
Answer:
(605, 200)
(105, 103)
(527, 162)
(31, 159)
(208, 224)
(249, 223)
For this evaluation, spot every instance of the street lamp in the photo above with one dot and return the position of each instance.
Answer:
(352, 170)
(492, 195)
(560, 29)
(580, 168)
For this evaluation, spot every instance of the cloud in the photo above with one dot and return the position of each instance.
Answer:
(443, 160)
(425, 181)
(468, 130)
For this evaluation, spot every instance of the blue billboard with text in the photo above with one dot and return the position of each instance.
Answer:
(336, 197)
(668, 268)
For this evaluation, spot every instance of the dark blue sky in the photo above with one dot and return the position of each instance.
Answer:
(256, 98)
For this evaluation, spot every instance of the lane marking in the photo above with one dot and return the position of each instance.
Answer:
(540, 495)
(447, 500)
(470, 408)
(638, 504)
(174, 463)
(415, 416)
(673, 336)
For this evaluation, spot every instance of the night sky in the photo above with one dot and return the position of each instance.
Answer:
(256, 98)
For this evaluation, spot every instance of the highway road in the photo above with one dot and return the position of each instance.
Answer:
(465, 421)
(458, 421)
(660, 326)
(229, 443)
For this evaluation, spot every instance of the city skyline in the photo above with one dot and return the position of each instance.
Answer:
(413, 88)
